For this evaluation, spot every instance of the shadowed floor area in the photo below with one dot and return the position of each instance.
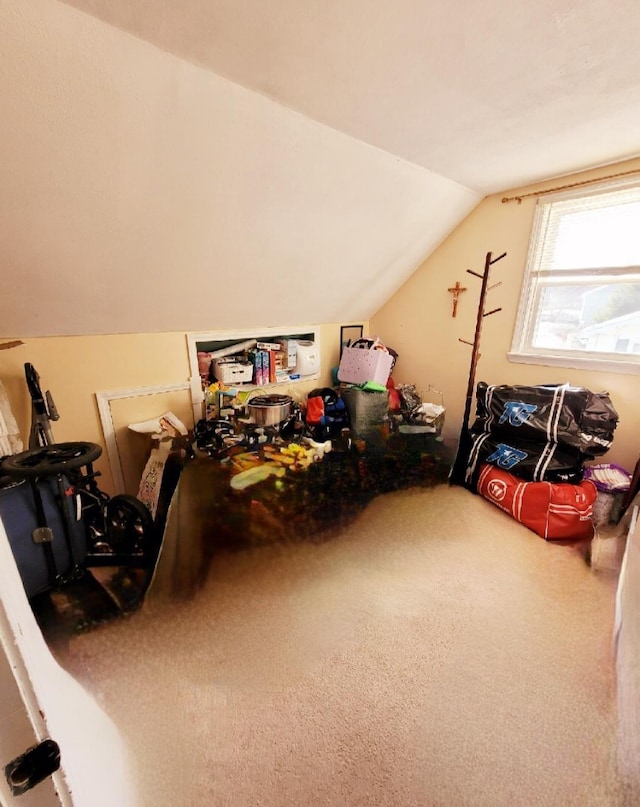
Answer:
(434, 652)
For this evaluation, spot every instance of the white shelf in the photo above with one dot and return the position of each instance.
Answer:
(220, 341)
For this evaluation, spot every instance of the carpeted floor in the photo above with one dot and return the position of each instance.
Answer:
(434, 652)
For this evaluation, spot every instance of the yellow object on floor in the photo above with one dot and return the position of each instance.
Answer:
(253, 475)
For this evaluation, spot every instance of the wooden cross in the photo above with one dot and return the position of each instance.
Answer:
(456, 291)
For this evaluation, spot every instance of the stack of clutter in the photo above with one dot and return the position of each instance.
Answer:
(364, 376)
(528, 449)
(417, 416)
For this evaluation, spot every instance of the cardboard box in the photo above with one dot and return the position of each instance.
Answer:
(289, 347)
(268, 345)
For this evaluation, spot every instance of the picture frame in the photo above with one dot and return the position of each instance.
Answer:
(348, 335)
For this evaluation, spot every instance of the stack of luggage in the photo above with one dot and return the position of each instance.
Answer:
(533, 441)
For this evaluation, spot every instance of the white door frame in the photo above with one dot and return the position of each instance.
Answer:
(24, 722)
(94, 765)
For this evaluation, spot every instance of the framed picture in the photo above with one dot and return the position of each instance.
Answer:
(348, 335)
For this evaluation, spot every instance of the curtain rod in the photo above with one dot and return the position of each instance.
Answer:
(520, 197)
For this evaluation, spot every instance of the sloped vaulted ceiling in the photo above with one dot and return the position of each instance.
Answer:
(491, 94)
(207, 164)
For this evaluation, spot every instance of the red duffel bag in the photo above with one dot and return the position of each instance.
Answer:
(553, 510)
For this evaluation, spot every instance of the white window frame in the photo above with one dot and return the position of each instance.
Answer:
(522, 350)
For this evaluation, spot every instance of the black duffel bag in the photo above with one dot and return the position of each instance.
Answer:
(574, 417)
(528, 460)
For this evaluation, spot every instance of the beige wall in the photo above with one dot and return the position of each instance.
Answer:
(74, 368)
(417, 320)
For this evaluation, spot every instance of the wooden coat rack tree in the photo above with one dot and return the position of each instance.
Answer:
(458, 471)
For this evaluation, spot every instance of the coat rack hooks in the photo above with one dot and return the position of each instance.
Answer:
(459, 466)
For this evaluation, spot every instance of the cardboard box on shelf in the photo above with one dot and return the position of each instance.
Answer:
(289, 348)
(268, 345)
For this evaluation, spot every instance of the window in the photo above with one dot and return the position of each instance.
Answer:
(580, 303)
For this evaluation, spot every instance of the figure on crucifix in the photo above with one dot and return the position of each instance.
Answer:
(456, 291)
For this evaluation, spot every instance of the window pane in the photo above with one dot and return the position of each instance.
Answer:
(581, 292)
(594, 318)
(588, 239)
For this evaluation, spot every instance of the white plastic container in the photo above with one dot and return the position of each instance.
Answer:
(307, 357)
(230, 370)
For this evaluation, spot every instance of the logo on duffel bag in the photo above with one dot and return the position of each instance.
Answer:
(506, 456)
(496, 490)
(516, 413)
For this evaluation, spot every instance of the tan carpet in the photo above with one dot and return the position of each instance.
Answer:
(433, 653)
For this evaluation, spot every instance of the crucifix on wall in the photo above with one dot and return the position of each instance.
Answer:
(456, 291)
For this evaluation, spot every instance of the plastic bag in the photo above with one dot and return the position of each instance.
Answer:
(608, 477)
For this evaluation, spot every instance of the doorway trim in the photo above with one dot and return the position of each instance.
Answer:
(104, 400)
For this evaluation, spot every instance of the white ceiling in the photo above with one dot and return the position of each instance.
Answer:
(218, 164)
(490, 94)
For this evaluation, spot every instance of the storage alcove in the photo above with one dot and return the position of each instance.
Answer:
(300, 343)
